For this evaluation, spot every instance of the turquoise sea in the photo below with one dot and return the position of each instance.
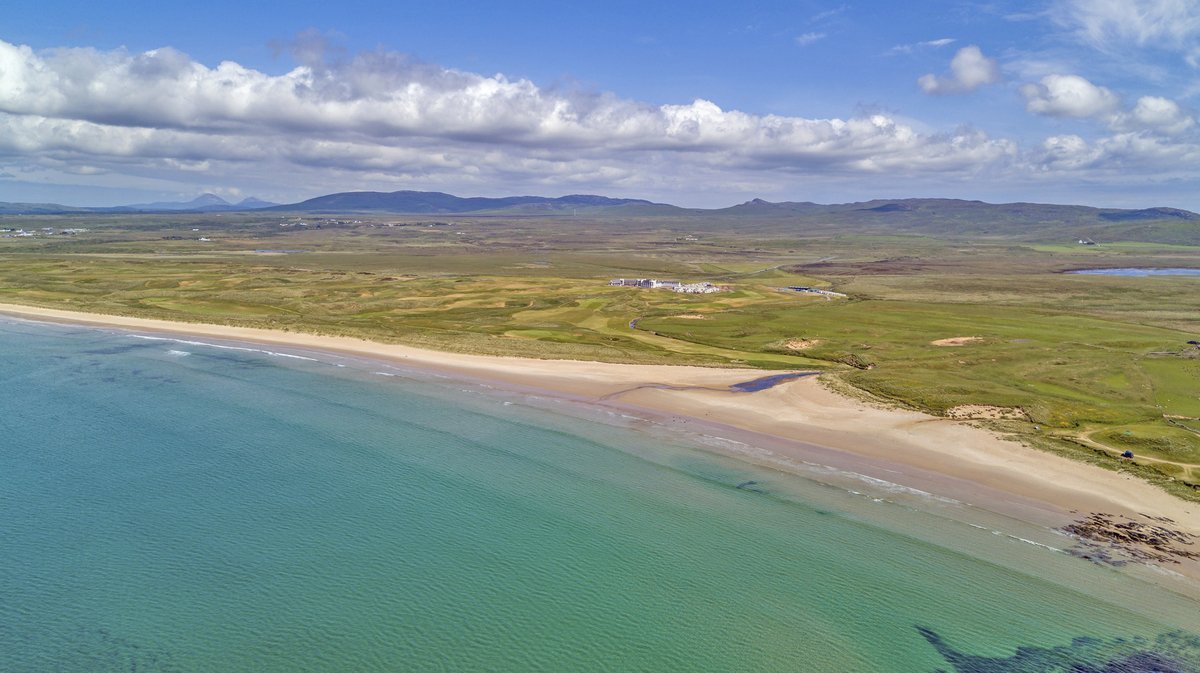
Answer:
(167, 505)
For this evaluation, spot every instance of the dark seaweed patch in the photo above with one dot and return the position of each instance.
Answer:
(116, 350)
(1101, 535)
(749, 486)
(1174, 652)
(80, 649)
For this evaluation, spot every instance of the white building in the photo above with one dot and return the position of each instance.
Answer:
(699, 288)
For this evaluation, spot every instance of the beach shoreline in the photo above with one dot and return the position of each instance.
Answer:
(799, 421)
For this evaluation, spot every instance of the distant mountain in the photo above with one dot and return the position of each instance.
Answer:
(1149, 214)
(960, 218)
(784, 208)
(927, 217)
(438, 202)
(40, 209)
(254, 203)
(931, 217)
(198, 203)
(588, 204)
(934, 210)
(205, 203)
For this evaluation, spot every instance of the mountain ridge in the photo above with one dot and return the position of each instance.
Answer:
(408, 201)
(207, 202)
(915, 215)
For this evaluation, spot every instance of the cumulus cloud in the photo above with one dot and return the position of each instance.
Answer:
(1069, 152)
(1075, 97)
(1122, 156)
(969, 69)
(383, 113)
(1155, 138)
(1068, 96)
(382, 119)
(1155, 115)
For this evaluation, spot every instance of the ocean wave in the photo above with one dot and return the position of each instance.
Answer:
(224, 347)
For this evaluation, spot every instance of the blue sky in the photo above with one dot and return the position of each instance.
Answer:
(1085, 101)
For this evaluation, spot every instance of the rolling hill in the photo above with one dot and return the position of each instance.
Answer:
(438, 202)
(914, 216)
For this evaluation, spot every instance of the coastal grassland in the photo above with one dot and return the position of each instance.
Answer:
(1164, 301)
(1065, 373)
(1085, 365)
(544, 317)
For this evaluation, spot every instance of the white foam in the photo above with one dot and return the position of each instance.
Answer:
(817, 471)
(1036, 544)
(893, 487)
(229, 348)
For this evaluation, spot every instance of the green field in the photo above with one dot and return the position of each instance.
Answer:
(1086, 365)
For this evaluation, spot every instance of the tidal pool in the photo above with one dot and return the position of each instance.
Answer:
(1139, 272)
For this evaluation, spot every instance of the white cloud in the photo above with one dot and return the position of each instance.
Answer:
(1153, 114)
(1069, 96)
(1121, 157)
(1172, 24)
(808, 38)
(1069, 152)
(969, 69)
(827, 14)
(917, 46)
(386, 114)
(382, 120)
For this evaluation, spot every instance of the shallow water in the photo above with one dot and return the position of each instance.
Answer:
(767, 382)
(170, 505)
(1138, 272)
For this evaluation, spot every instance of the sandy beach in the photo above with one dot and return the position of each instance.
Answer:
(801, 418)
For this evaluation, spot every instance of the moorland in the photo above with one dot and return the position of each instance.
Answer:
(955, 308)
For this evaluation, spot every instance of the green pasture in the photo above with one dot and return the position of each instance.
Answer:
(1063, 369)
(1164, 301)
(1171, 449)
(1108, 248)
(1177, 384)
